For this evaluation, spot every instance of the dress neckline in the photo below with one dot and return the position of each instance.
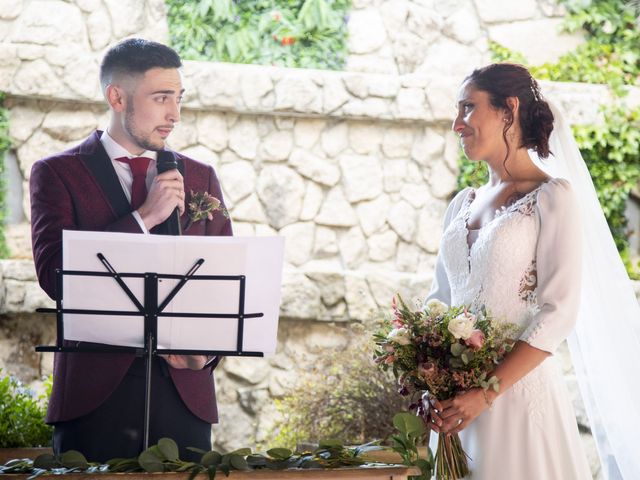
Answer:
(471, 196)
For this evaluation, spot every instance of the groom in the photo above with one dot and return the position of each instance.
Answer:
(110, 182)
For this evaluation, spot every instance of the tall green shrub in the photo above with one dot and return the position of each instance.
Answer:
(289, 33)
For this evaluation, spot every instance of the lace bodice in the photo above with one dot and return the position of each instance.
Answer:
(524, 265)
(498, 269)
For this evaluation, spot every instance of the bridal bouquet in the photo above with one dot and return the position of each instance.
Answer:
(443, 350)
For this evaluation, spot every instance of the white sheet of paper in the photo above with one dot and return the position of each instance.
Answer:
(258, 258)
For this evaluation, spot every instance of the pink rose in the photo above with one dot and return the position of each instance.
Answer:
(390, 359)
(476, 340)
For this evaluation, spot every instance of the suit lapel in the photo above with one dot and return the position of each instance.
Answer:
(100, 166)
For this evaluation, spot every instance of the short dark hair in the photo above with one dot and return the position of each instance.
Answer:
(504, 80)
(135, 56)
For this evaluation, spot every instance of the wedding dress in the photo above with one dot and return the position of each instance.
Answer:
(524, 267)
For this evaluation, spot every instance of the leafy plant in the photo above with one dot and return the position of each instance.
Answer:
(345, 396)
(22, 415)
(290, 33)
(411, 434)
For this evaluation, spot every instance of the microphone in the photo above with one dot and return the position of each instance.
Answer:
(171, 226)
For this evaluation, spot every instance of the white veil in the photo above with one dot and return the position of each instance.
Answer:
(605, 346)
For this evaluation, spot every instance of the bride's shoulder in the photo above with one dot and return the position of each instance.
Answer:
(556, 194)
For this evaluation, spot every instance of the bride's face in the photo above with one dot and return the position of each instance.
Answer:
(479, 125)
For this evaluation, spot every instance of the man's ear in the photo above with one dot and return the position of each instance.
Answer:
(116, 98)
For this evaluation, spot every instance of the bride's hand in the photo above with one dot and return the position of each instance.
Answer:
(433, 410)
(459, 411)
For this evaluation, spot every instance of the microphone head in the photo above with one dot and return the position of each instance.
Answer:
(166, 161)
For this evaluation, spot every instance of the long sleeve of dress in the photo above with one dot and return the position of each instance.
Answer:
(558, 264)
(440, 288)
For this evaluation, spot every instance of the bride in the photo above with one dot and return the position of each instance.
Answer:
(518, 246)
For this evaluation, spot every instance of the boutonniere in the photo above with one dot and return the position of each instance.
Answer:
(202, 205)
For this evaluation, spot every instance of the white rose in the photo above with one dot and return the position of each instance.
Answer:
(399, 336)
(463, 325)
(435, 307)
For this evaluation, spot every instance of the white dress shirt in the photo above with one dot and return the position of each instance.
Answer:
(123, 170)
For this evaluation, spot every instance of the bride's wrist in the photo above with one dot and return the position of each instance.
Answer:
(489, 397)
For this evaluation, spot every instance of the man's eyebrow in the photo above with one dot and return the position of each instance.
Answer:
(166, 92)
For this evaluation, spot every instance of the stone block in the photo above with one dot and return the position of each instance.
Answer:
(312, 200)
(300, 238)
(397, 142)
(307, 132)
(364, 137)
(430, 221)
(336, 211)
(551, 42)
(360, 303)
(361, 176)
(366, 31)
(217, 87)
(407, 257)
(300, 297)
(353, 247)
(25, 119)
(50, 22)
(321, 339)
(382, 246)
(244, 139)
(331, 285)
(202, 154)
(254, 86)
(335, 139)
(212, 131)
(494, 11)
(416, 194)
(69, 125)
(402, 219)
(234, 429)
(37, 78)
(281, 191)
(10, 9)
(238, 179)
(250, 371)
(276, 146)
(298, 93)
(315, 168)
(463, 27)
(395, 175)
(99, 27)
(373, 214)
(130, 17)
(326, 243)
(446, 55)
(38, 146)
(249, 209)
(386, 86)
(334, 94)
(441, 180)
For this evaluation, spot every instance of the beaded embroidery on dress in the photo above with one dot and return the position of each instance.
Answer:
(531, 431)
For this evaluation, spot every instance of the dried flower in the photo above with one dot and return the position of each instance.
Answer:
(202, 205)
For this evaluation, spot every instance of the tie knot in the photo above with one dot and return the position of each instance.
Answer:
(138, 165)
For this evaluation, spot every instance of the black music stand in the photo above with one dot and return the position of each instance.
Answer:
(151, 310)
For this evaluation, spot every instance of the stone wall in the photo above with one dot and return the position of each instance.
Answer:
(354, 168)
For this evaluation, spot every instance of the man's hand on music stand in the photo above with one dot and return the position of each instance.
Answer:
(192, 362)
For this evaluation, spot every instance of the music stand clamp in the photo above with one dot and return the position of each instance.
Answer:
(150, 310)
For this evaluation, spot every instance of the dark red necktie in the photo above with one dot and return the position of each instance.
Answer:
(138, 167)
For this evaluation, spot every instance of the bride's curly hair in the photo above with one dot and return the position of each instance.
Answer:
(504, 80)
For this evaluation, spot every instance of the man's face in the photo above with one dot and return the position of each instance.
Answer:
(153, 108)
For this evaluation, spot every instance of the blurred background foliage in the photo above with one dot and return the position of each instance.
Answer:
(287, 33)
(611, 149)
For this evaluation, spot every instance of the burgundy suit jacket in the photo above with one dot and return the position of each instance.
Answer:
(79, 190)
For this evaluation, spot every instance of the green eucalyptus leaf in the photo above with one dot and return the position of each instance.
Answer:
(238, 462)
(408, 424)
(73, 459)
(457, 349)
(211, 458)
(256, 461)
(169, 449)
(330, 443)
(241, 451)
(279, 453)
(150, 462)
(45, 461)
